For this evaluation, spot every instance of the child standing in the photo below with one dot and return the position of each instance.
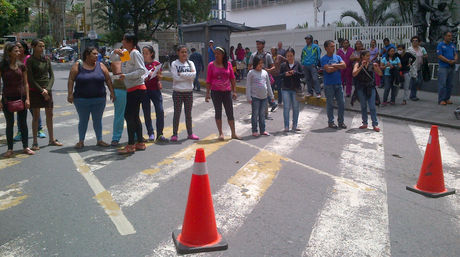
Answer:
(258, 89)
(183, 73)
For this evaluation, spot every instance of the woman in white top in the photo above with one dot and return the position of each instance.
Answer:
(416, 69)
(183, 72)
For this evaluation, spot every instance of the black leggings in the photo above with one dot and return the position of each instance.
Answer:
(225, 98)
(133, 122)
(22, 121)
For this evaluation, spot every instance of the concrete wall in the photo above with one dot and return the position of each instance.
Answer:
(291, 14)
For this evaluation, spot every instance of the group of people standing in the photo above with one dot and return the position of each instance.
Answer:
(27, 84)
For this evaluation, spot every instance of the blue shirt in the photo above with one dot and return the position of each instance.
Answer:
(310, 54)
(211, 56)
(393, 62)
(387, 48)
(446, 50)
(334, 77)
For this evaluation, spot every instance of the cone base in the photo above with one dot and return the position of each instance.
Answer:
(429, 194)
(183, 249)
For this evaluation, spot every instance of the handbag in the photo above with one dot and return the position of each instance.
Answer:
(15, 106)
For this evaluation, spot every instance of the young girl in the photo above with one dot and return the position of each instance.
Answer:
(391, 65)
(15, 87)
(153, 84)
(183, 73)
(221, 87)
(41, 80)
(258, 88)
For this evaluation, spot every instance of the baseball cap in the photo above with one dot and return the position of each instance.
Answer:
(211, 41)
(309, 36)
(260, 41)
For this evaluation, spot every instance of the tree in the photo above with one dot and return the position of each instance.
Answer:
(14, 14)
(375, 13)
(144, 17)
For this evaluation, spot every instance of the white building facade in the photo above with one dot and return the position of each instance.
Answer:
(260, 13)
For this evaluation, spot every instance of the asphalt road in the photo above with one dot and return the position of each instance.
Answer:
(319, 192)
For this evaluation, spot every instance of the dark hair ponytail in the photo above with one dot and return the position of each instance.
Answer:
(225, 58)
(255, 62)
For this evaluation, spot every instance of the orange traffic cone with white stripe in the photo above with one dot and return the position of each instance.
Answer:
(431, 179)
(199, 231)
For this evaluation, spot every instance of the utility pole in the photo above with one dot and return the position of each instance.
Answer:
(315, 7)
(179, 21)
(91, 10)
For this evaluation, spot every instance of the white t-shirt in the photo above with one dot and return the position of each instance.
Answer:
(183, 75)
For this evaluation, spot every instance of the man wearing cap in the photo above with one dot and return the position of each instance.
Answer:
(211, 49)
(310, 57)
(268, 64)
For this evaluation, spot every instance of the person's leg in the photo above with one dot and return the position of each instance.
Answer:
(449, 83)
(197, 79)
(406, 86)
(286, 108)
(263, 106)
(119, 113)
(22, 118)
(442, 79)
(9, 117)
(387, 84)
(363, 102)
(377, 79)
(295, 110)
(330, 93)
(157, 99)
(177, 100)
(49, 124)
(315, 80)
(129, 116)
(308, 79)
(188, 105)
(83, 110)
(217, 100)
(340, 104)
(18, 136)
(146, 109)
(255, 106)
(349, 81)
(413, 88)
(372, 109)
(40, 126)
(97, 110)
(394, 93)
(228, 106)
(35, 116)
(279, 83)
(140, 95)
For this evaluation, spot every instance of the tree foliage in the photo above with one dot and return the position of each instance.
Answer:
(14, 14)
(144, 17)
(375, 12)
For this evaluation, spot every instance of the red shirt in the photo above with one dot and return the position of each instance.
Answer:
(13, 82)
(152, 84)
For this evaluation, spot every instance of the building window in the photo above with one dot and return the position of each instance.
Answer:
(242, 4)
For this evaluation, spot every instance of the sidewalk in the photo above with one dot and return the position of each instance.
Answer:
(426, 110)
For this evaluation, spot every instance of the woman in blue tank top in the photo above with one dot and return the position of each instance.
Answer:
(89, 94)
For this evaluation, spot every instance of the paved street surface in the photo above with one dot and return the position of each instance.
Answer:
(319, 192)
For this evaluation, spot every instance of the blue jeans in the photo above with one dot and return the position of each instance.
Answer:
(364, 101)
(157, 100)
(290, 102)
(389, 86)
(311, 76)
(196, 82)
(445, 83)
(85, 107)
(336, 91)
(415, 83)
(258, 114)
(119, 115)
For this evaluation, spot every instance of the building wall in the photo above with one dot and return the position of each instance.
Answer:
(288, 12)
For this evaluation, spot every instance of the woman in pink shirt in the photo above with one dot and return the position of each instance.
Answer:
(347, 79)
(221, 87)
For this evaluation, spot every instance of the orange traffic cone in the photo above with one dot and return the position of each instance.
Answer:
(431, 179)
(199, 231)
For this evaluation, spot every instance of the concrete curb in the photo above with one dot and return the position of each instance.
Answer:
(321, 102)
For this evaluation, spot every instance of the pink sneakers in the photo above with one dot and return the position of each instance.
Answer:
(193, 137)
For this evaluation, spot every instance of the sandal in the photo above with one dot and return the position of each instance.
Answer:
(236, 137)
(55, 142)
(79, 145)
(102, 143)
(8, 154)
(28, 151)
(35, 147)
(221, 138)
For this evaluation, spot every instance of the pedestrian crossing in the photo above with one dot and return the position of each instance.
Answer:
(353, 220)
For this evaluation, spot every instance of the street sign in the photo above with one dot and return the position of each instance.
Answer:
(92, 35)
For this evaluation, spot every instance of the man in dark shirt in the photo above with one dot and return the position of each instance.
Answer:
(197, 59)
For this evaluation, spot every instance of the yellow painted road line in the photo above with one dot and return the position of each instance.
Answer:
(13, 196)
(103, 197)
(8, 162)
